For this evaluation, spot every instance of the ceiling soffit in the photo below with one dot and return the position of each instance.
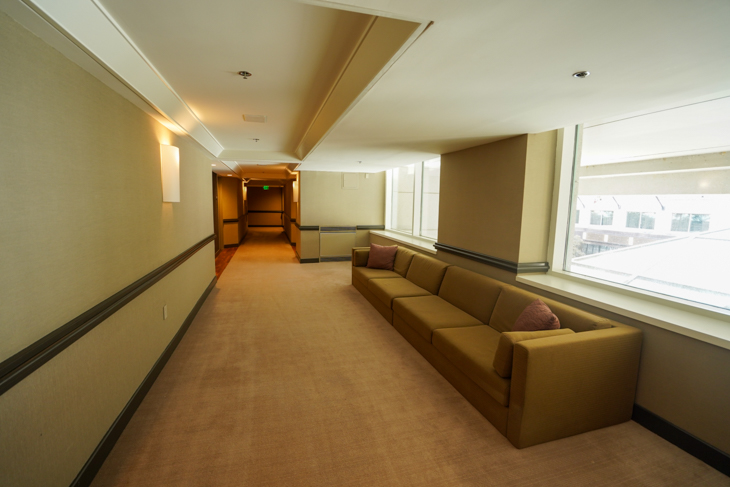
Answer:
(101, 28)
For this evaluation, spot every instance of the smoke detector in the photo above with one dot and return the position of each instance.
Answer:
(244, 74)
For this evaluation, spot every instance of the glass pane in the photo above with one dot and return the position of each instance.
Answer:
(430, 198)
(607, 218)
(647, 221)
(699, 223)
(595, 217)
(632, 219)
(402, 202)
(652, 227)
(680, 222)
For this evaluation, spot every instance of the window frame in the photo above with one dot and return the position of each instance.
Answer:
(562, 230)
(417, 203)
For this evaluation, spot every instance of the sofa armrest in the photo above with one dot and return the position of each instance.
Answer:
(360, 256)
(566, 385)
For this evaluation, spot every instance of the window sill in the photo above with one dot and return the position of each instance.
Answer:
(707, 326)
(422, 244)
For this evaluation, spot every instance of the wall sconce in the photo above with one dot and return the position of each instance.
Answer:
(295, 191)
(170, 164)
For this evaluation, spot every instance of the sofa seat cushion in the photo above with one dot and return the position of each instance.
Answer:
(428, 313)
(364, 274)
(472, 350)
(386, 290)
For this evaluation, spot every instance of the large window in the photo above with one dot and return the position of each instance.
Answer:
(412, 203)
(650, 206)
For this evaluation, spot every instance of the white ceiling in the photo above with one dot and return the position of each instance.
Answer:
(484, 70)
(698, 128)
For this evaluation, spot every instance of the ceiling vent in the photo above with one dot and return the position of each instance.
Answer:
(254, 118)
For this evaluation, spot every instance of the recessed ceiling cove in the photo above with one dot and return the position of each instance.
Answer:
(310, 64)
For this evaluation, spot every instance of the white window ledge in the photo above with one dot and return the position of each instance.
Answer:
(423, 244)
(707, 326)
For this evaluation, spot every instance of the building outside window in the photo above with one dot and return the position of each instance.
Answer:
(650, 207)
(412, 199)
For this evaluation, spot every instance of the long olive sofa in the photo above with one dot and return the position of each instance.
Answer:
(561, 383)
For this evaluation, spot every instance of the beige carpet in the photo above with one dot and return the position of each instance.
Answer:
(289, 377)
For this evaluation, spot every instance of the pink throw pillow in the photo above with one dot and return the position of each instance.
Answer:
(382, 256)
(537, 316)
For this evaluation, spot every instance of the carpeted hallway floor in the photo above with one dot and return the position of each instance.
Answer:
(289, 377)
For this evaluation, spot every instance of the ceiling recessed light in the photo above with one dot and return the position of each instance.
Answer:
(212, 164)
(581, 74)
(244, 74)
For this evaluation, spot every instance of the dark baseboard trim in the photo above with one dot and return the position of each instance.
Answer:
(96, 460)
(337, 229)
(371, 227)
(341, 258)
(308, 261)
(682, 439)
(293, 244)
(231, 220)
(266, 211)
(309, 228)
(265, 226)
(231, 245)
(507, 265)
(23, 363)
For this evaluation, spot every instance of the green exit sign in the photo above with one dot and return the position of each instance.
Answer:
(266, 187)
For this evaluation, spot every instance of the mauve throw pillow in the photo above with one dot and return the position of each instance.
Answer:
(382, 256)
(537, 316)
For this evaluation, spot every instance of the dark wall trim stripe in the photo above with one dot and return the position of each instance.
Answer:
(307, 228)
(94, 463)
(231, 220)
(23, 363)
(341, 258)
(371, 227)
(265, 211)
(507, 265)
(308, 261)
(265, 226)
(337, 229)
(682, 439)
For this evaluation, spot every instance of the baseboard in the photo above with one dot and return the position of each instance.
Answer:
(308, 261)
(341, 258)
(713, 457)
(94, 463)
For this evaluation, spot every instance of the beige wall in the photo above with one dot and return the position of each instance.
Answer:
(325, 203)
(82, 217)
(232, 208)
(260, 199)
(496, 199)
(480, 202)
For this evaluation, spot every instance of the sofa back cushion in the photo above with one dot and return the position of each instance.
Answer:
(403, 258)
(470, 292)
(427, 272)
(512, 302)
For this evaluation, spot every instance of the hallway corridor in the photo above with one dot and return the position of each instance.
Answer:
(288, 376)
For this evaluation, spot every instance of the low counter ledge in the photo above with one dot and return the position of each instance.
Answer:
(704, 325)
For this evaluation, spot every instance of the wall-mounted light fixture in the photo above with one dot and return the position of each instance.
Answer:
(170, 165)
(295, 191)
